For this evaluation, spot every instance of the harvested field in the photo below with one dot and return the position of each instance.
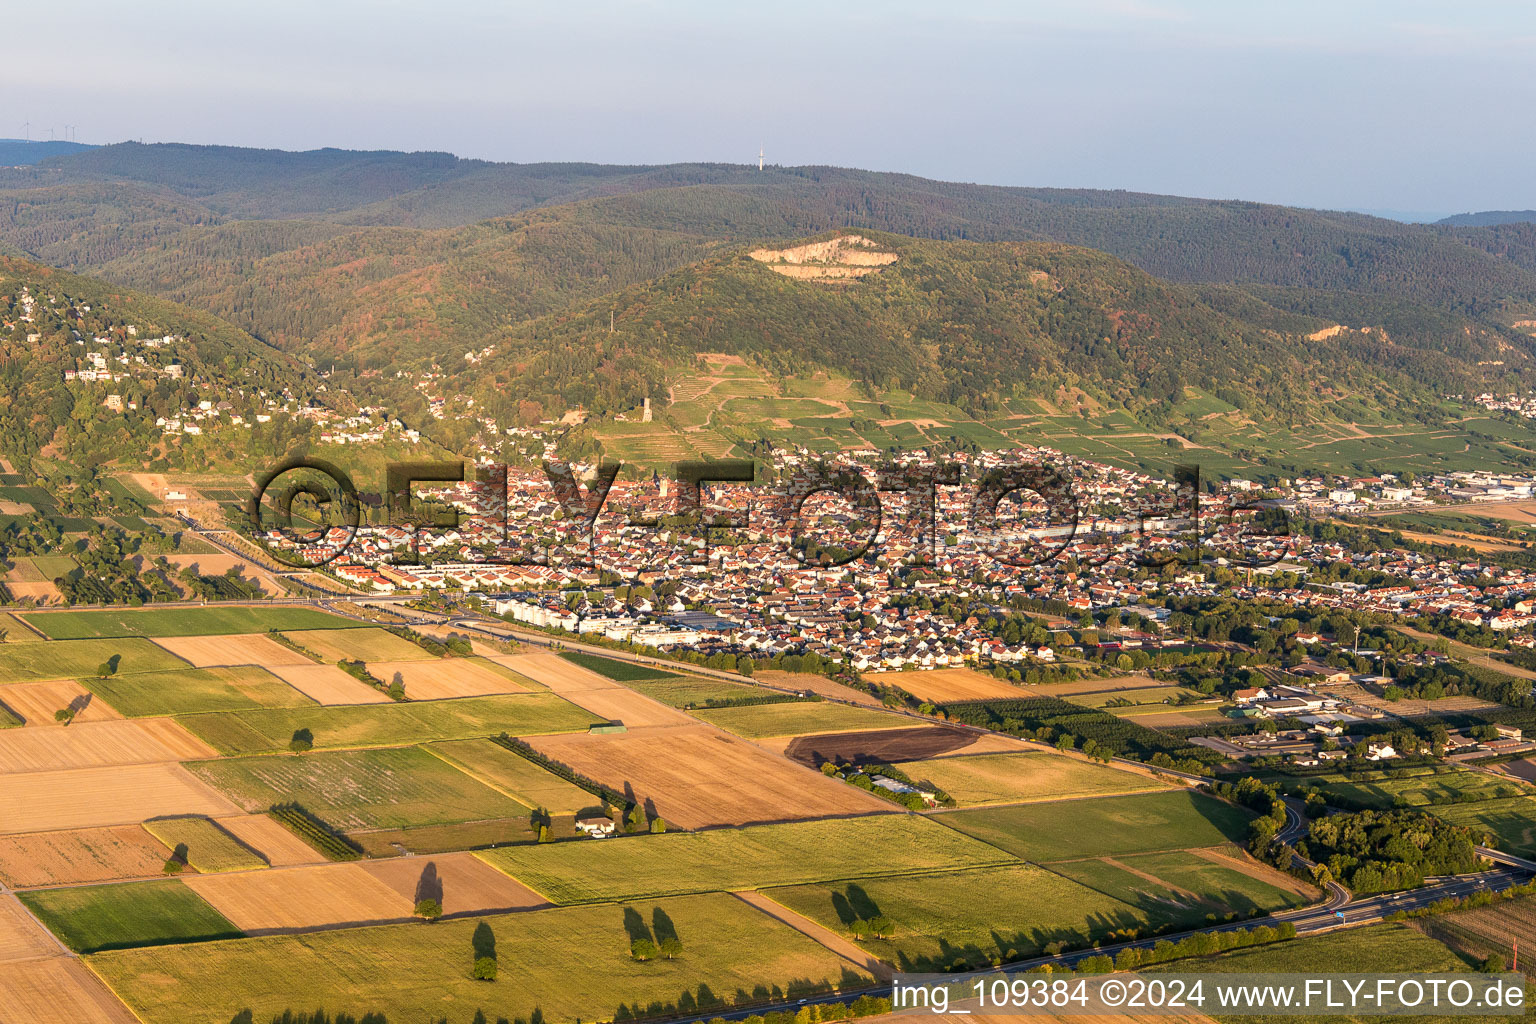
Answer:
(681, 691)
(284, 899)
(40, 593)
(68, 857)
(557, 673)
(727, 860)
(277, 845)
(1182, 887)
(17, 631)
(44, 801)
(514, 775)
(448, 677)
(1024, 776)
(358, 644)
(461, 882)
(191, 691)
(816, 684)
(208, 848)
(885, 745)
(232, 649)
(92, 744)
(25, 663)
(327, 684)
(383, 788)
(698, 776)
(798, 718)
(605, 699)
(58, 991)
(951, 684)
(22, 938)
(196, 621)
(35, 703)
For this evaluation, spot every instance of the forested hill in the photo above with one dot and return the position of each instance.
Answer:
(972, 324)
(1489, 218)
(88, 368)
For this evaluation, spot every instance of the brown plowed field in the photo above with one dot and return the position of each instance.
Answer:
(82, 798)
(697, 776)
(37, 702)
(21, 937)
(284, 899)
(467, 883)
(94, 744)
(328, 684)
(450, 677)
(605, 698)
(231, 649)
(60, 990)
(262, 833)
(80, 855)
(887, 745)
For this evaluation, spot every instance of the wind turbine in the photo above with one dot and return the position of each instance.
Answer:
(759, 157)
(27, 127)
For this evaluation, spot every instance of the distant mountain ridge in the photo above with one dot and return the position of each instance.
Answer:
(23, 152)
(1489, 218)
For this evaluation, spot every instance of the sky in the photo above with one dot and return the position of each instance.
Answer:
(1382, 105)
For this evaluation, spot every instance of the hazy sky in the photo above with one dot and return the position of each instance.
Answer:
(1367, 104)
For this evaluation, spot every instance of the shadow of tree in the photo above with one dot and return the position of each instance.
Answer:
(430, 885)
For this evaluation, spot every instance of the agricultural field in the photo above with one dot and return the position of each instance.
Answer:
(207, 847)
(199, 621)
(1024, 776)
(943, 685)
(327, 684)
(514, 775)
(797, 718)
(720, 860)
(353, 643)
(1446, 787)
(570, 962)
(969, 918)
(1185, 886)
(383, 788)
(36, 704)
(696, 776)
(32, 662)
(1512, 822)
(231, 649)
(21, 938)
(682, 691)
(97, 917)
(1135, 697)
(461, 882)
(195, 691)
(254, 732)
(96, 744)
(1480, 932)
(59, 990)
(601, 697)
(319, 896)
(890, 746)
(88, 797)
(612, 668)
(448, 677)
(267, 836)
(14, 631)
(1108, 825)
(73, 856)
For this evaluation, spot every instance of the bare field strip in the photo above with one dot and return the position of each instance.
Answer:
(58, 991)
(952, 684)
(358, 644)
(80, 855)
(281, 899)
(699, 776)
(88, 797)
(93, 744)
(280, 847)
(448, 677)
(327, 684)
(231, 649)
(37, 702)
(22, 938)
(606, 699)
(466, 883)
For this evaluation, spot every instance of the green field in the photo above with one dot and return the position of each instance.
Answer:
(366, 644)
(622, 671)
(1145, 695)
(798, 718)
(208, 847)
(967, 918)
(1104, 826)
(1423, 790)
(199, 621)
(565, 963)
(377, 725)
(352, 789)
(515, 775)
(195, 690)
(63, 659)
(1512, 821)
(725, 859)
(681, 691)
(1026, 775)
(1195, 887)
(15, 631)
(97, 917)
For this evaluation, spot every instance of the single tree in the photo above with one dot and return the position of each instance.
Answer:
(302, 740)
(642, 949)
(658, 825)
(429, 910)
(64, 715)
